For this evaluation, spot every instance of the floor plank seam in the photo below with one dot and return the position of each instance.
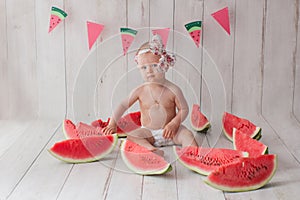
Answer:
(110, 174)
(142, 188)
(38, 155)
(63, 185)
(176, 182)
(281, 140)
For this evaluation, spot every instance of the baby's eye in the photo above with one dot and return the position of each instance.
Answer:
(143, 67)
(154, 65)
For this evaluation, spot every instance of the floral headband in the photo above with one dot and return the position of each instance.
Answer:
(157, 48)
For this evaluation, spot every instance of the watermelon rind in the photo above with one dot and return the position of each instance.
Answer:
(136, 170)
(128, 31)
(58, 12)
(197, 169)
(241, 188)
(91, 159)
(203, 128)
(191, 25)
(263, 151)
(195, 28)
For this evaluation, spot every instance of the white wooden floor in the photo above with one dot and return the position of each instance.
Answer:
(28, 171)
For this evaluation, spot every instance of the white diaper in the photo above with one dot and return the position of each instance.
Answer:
(159, 140)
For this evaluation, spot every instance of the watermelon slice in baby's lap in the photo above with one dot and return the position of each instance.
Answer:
(198, 120)
(127, 123)
(57, 15)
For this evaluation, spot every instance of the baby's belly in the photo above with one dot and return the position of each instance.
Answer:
(156, 117)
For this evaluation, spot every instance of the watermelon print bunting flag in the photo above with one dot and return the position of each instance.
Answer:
(127, 36)
(94, 30)
(57, 15)
(222, 17)
(163, 33)
(194, 29)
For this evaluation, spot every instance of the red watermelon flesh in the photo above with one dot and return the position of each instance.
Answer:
(86, 149)
(196, 36)
(126, 124)
(81, 130)
(247, 174)
(243, 142)
(231, 121)
(205, 160)
(142, 161)
(199, 121)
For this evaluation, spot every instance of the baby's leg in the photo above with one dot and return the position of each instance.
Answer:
(144, 138)
(184, 137)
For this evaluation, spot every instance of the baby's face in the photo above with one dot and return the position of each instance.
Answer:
(149, 67)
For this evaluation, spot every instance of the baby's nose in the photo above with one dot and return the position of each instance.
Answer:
(149, 69)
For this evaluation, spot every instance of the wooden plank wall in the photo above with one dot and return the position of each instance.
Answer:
(257, 65)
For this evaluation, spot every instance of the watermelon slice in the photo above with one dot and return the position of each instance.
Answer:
(127, 36)
(126, 124)
(81, 130)
(247, 174)
(142, 161)
(198, 120)
(244, 142)
(205, 160)
(86, 149)
(194, 29)
(57, 15)
(231, 121)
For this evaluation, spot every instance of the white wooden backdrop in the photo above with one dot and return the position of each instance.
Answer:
(44, 78)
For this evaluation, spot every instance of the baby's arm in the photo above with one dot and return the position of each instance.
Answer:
(172, 127)
(119, 111)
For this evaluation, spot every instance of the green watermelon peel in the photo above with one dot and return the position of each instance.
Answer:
(240, 174)
(145, 155)
(58, 12)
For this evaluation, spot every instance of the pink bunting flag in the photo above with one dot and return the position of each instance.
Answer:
(222, 17)
(163, 33)
(94, 30)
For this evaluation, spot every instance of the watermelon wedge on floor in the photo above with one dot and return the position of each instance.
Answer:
(205, 160)
(198, 120)
(127, 123)
(194, 29)
(247, 174)
(71, 131)
(142, 161)
(57, 15)
(83, 150)
(231, 121)
(127, 36)
(243, 142)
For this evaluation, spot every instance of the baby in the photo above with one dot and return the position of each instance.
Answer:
(162, 104)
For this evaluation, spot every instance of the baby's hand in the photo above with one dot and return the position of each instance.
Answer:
(108, 130)
(170, 130)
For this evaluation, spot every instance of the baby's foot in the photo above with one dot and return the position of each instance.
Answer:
(158, 152)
